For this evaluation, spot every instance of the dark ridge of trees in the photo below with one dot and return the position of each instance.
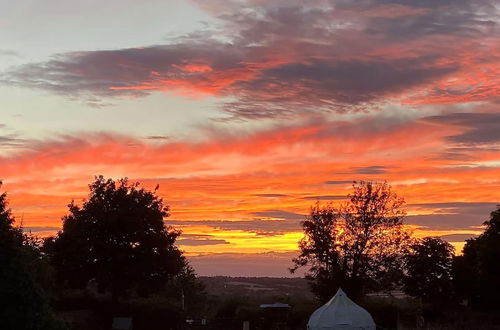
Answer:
(362, 246)
(24, 278)
(359, 245)
(477, 271)
(428, 270)
(117, 240)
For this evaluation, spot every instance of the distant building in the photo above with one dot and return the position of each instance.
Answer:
(275, 305)
(275, 316)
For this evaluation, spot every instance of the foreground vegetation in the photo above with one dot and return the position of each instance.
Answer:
(115, 257)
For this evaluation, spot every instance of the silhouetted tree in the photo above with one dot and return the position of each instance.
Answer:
(428, 266)
(188, 289)
(358, 245)
(23, 275)
(477, 271)
(117, 240)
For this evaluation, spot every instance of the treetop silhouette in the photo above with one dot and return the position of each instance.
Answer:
(358, 245)
(116, 239)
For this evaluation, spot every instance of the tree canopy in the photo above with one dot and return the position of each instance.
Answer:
(358, 245)
(477, 271)
(116, 239)
(24, 302)
(428, 267)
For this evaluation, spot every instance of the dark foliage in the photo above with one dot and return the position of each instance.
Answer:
(116, 240)
(358, 245)
(24, 302)
(189, 291)
(477, 271)
(429, 269)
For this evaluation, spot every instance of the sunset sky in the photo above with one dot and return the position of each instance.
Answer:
(247, 112)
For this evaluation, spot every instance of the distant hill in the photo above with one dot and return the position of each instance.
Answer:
(263, 288)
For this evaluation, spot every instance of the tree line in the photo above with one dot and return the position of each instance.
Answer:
(363, 246)
(116, 242)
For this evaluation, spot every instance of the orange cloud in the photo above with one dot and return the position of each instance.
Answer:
(248, 192)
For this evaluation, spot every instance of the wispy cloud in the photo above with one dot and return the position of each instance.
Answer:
(478, 128)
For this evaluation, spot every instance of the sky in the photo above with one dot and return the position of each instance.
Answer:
(248, 112)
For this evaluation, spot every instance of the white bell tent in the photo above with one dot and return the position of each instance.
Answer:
(340, 313)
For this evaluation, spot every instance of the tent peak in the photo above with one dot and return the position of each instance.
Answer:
(340, 313)
(340, 292)
(340, 298)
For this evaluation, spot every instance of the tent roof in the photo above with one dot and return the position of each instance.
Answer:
(340, 313)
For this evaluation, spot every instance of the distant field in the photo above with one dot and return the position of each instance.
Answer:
(257, 287)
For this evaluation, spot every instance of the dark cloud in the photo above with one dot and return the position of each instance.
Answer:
(220, 69)
(158, 138)
(434, 4)
(340, 182)
(457, 237)
(465, 152)
(452, 215)
(118, 72)
(325, 197)
(448, 155)
(281, 59)
(370, 170)
(350, 82)
(480, 128)
(445, 221)
(200, 241)
(463, 206)
(262, 227)
(450, 18)
(10, 140)
(270, 195)
(279, 214)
